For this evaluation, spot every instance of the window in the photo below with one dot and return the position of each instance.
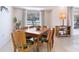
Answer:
(33, 17)
(76, 18)
(76, 21)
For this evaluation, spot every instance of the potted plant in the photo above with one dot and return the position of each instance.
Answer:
(17, 23)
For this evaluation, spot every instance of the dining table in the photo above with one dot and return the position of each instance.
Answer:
(34, 32)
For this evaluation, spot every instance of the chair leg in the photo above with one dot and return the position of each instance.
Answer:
(14, 49)
(52, 43)
(35, 48)
(48, 47)
(51, 46)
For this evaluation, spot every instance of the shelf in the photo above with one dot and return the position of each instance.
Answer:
(63, 31)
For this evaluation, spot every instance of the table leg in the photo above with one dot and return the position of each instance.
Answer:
(38, 42)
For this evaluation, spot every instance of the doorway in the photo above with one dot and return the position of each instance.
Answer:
(75, 20)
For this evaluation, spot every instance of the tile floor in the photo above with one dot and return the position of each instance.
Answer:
(61, 44)
(64, 44)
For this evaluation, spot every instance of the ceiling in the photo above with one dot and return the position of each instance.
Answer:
(36, 7)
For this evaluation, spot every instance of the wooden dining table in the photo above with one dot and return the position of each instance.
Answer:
(36, 33)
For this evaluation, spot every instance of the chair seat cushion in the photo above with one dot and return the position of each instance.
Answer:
(43, 40)
(44, 35)
(30, 41)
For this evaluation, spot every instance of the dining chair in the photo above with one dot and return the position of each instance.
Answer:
(38, 27)
(45, 34)
(20, 42)
(31, 26)
(44, 26)
(53, 34)
(24, 28)
(49, 40)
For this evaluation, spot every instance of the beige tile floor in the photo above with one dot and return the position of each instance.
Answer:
(64, 44)
(61, 44)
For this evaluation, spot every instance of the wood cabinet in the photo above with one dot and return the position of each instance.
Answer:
(63, 31)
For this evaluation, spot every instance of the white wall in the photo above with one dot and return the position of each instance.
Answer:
(55, 16)
(5, 30)
(47, 18)
(55, 21)
(19, 14)
(51, 17)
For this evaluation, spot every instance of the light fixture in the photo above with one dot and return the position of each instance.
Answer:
(62, 16)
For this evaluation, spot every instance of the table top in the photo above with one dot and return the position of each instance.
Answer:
(35, 31)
